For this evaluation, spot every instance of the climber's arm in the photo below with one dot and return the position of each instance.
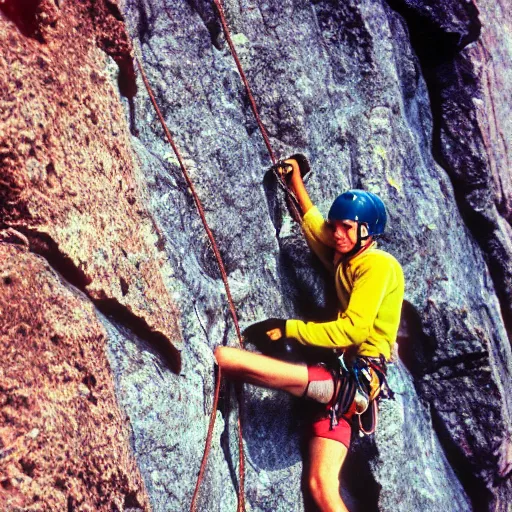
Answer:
(296, 185)
(316, 230)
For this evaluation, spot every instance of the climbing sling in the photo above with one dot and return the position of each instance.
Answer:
(360, 384)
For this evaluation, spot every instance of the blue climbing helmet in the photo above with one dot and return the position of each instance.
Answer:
(360, 206)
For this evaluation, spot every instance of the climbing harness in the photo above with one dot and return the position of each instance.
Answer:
(360, 384)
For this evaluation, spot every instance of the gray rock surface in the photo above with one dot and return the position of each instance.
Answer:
(341, 83)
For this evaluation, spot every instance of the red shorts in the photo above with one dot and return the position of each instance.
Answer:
(321, 426)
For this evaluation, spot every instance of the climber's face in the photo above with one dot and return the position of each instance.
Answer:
(345, 234)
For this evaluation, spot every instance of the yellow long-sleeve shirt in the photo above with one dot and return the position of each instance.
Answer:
(370, 289)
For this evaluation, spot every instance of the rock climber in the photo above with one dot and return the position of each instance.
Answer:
(369, 285)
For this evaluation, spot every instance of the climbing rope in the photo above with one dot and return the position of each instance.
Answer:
(218, 257)
(292, 203)
(208, 442)
(296, 214)
(291, 200)
(197, 201)
(254, 107)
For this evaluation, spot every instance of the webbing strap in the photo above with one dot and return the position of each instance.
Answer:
(218, 257)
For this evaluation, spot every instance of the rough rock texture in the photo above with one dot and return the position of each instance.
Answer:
(465, 56)
(74, 197)
(400, 98)
(345, 87)
(63, 442)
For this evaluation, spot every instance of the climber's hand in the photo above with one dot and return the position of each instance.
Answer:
(286, 167)
(293, 167)
(300, 164)
(262, 333)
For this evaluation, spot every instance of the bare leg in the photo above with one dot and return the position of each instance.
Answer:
(262, 370)
(326, 457)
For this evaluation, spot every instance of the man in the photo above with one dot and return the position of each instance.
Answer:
(370, 286)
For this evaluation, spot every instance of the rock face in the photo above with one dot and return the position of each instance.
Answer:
(75, 198)
(63, 441)
(465, 61)
(407, 99)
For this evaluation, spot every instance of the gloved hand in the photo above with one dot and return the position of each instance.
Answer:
(267, 331)
(269, 337)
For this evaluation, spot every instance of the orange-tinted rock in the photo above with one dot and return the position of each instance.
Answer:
(63, 441)
(66, 166)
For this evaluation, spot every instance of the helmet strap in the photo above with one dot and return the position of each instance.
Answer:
(358, 245)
